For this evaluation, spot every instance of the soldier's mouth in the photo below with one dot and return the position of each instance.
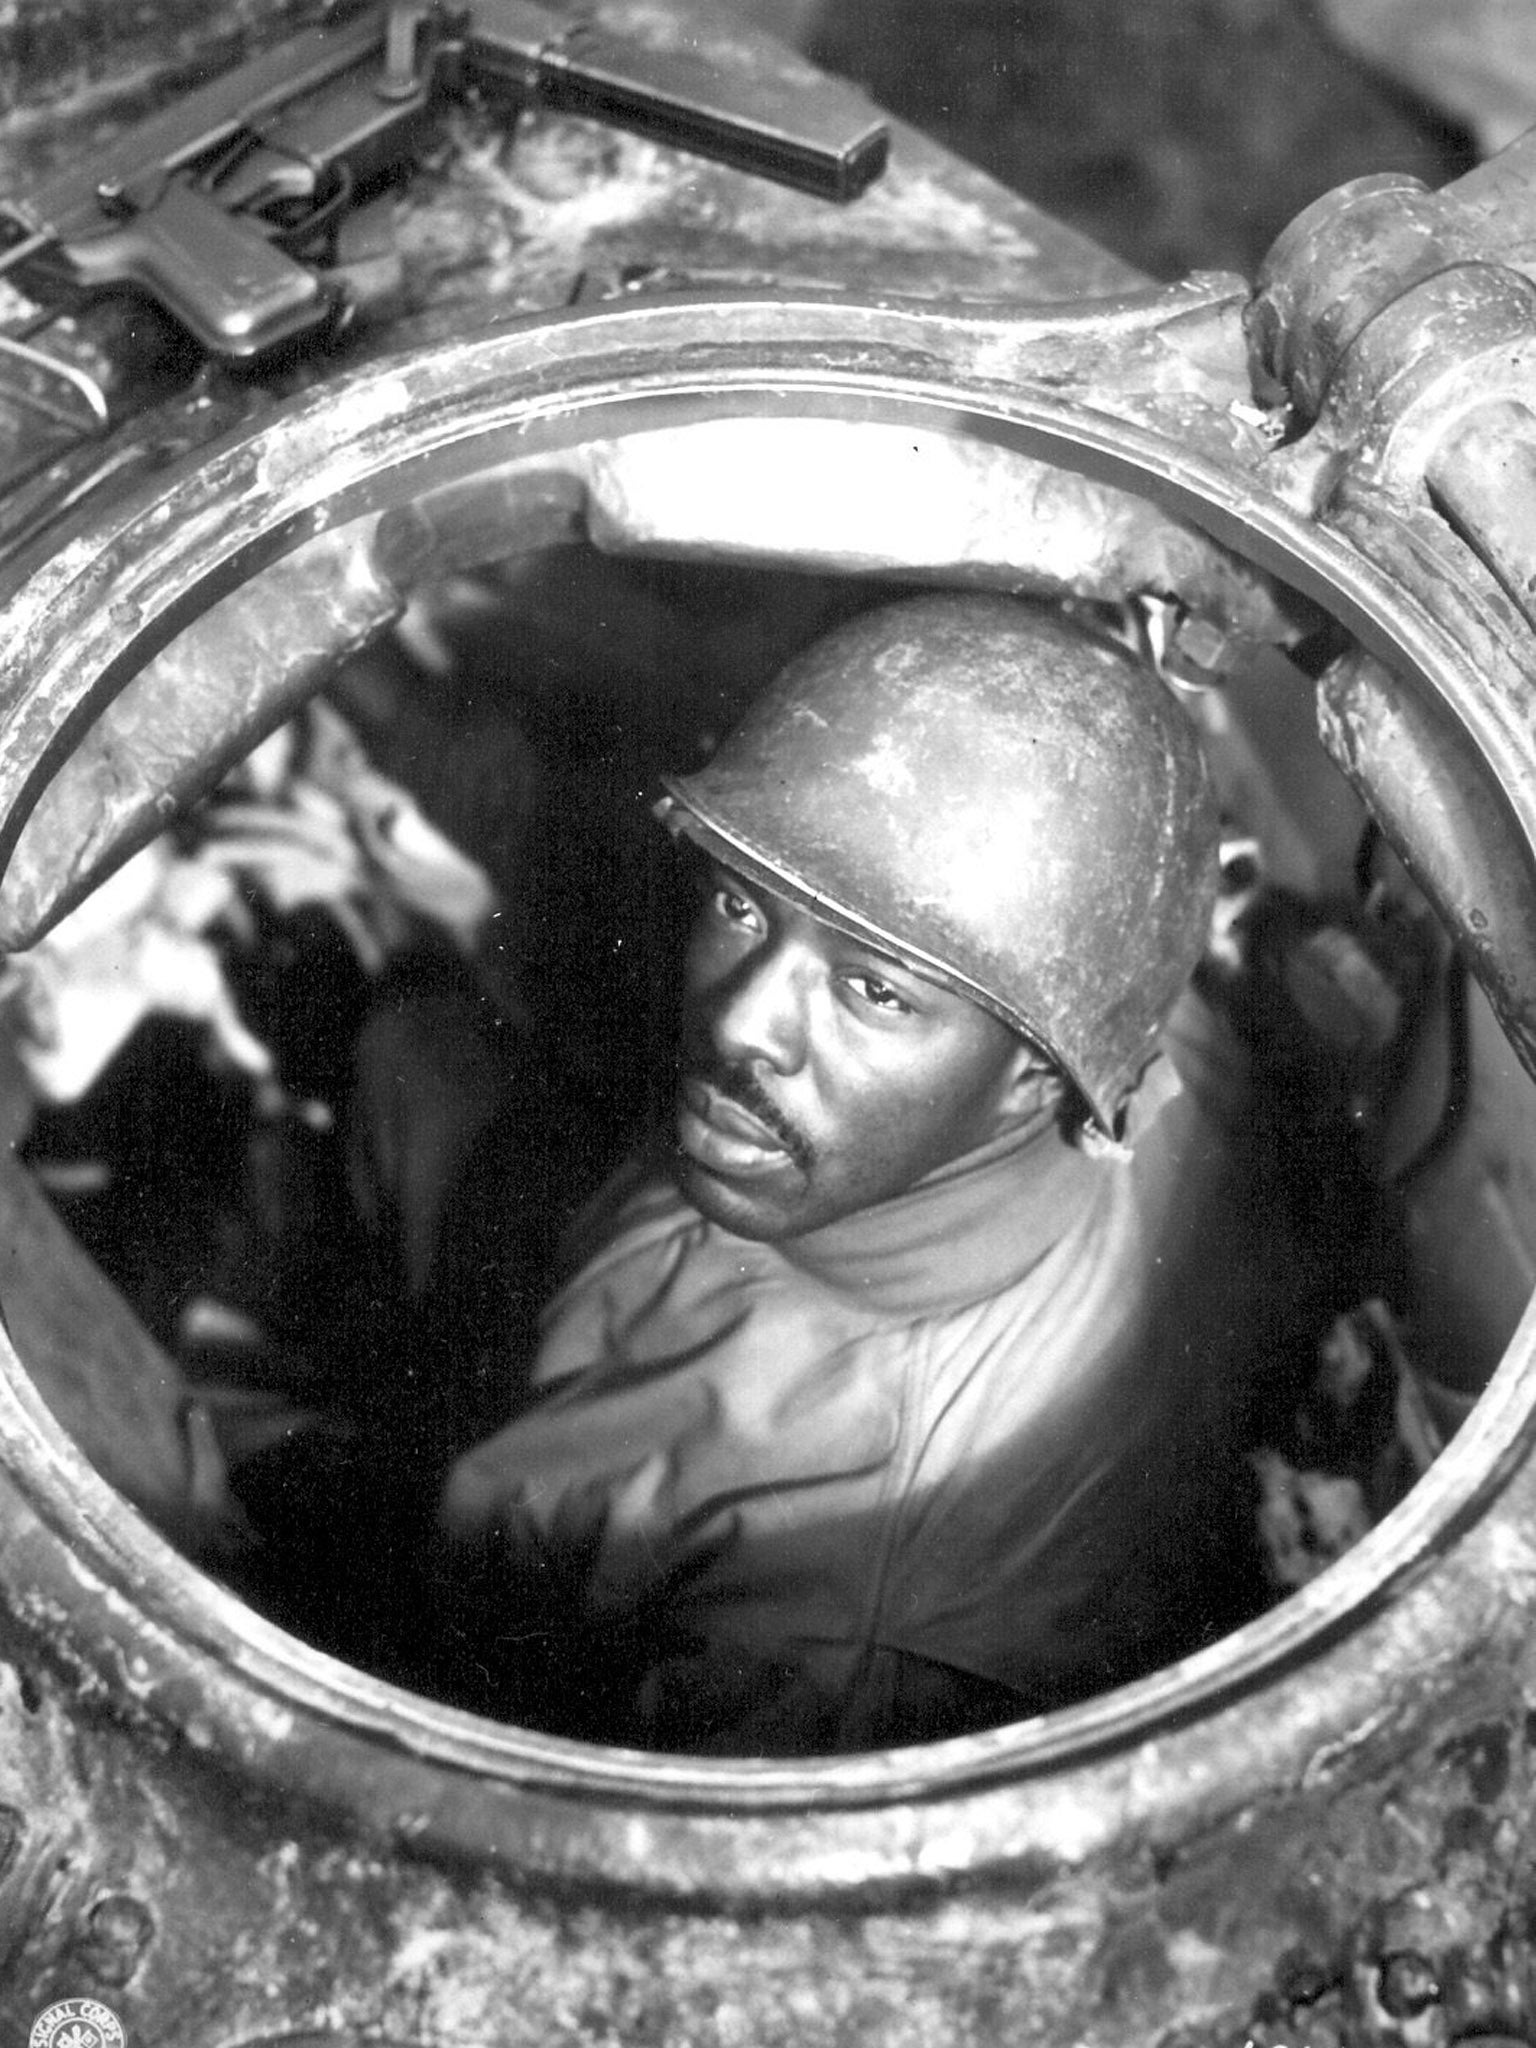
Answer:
(719, 1133)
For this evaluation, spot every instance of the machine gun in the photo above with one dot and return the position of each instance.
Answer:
(223, 207)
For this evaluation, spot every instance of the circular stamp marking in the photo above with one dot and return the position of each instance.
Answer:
(77, 2023)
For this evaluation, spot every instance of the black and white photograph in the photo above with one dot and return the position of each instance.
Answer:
(767, 1024)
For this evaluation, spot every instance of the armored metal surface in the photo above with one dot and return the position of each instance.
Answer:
(1320, 1828)
(504, 221)
(1163, 1864)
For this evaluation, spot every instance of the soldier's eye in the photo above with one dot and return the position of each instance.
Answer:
(735, 908)
(879, 994)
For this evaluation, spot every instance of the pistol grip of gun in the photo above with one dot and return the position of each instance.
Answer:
(217, 274)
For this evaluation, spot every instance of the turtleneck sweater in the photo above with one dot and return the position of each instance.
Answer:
(922, 1469)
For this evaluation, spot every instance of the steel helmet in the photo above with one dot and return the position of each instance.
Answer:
(989, 792)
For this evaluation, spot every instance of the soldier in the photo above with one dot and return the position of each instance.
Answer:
(879, 1406)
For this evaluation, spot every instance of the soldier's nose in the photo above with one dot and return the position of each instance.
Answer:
(759, 1012)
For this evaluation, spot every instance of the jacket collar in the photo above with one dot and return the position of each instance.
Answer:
(963, 1233)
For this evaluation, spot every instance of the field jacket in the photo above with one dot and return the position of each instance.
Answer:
(938, 1464)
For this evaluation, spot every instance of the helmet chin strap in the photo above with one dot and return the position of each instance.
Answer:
(1158, 1086)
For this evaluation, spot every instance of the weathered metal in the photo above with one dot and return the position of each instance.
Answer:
(505, 223)
(1073, 1877)
(1317, 1830)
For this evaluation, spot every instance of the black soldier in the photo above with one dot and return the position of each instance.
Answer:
(880, 1401)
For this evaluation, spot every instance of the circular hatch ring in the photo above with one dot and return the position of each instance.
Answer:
(162, 1641)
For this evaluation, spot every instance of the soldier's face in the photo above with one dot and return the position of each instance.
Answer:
(819, 1075)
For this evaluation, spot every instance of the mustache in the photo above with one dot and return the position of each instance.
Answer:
(741, 1086)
